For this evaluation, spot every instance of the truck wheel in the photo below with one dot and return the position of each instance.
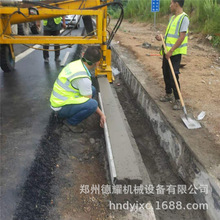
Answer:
(23, 29)
(87, 20)
(77, 26)
(20, 29)
(7, 61)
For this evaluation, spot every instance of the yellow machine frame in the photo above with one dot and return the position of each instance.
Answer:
(67, 7)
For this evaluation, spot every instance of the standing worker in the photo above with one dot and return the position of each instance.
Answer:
(52, 27)
(176, 39)
(72, 95)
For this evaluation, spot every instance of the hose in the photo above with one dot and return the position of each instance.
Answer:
(112, 34)
(120, 19)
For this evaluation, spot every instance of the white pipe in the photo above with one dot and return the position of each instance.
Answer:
(108, 146)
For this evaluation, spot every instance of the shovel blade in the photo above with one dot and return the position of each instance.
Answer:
(190, 122)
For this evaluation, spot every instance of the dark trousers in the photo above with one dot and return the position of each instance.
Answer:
(167, 75)
(56, 46)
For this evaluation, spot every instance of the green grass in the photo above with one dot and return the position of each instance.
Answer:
(204, 14)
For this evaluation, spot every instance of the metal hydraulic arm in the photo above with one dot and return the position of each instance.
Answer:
(28, 11)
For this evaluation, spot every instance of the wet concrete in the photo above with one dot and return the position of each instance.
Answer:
(126, 167)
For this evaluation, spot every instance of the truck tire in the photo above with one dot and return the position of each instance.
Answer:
(77, 26)
(14, 29)
(87, 20)
(23, 29)
(6, 60)
(20, 29)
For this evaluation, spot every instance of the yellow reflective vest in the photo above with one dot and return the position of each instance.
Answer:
(56, 21)
(172, 34)
(63, 92)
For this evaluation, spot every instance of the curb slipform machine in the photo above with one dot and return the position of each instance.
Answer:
(15, 12)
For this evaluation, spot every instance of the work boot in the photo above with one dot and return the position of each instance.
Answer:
(177, 105)
(57, 59)
(166, 98)
(46, 60)
(74, 128)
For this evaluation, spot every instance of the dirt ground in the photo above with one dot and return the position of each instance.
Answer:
(81, 162)
(199, 78)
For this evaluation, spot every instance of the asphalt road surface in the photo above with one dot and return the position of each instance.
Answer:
(25, 114)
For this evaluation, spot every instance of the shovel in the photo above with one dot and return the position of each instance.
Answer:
(188, 120)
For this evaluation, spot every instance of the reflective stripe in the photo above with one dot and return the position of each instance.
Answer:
(174, 35)
(56, 109)
(182, 45)
(178, 25)
(65, 86)
(56, 21)
(57, 95)
(45, 22)
(82, 73)
(63, 92)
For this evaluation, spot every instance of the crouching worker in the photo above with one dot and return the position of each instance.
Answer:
(72, 95)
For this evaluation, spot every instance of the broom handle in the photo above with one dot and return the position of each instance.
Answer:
(173, 73)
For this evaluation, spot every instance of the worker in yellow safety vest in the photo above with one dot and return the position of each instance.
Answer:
(176, 39)
(52, 27)
(72, 95)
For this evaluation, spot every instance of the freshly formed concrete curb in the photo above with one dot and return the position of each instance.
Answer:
(126, 164)
(185, 162)
(143, 171)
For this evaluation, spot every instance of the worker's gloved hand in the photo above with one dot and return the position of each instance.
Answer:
(102, 120)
